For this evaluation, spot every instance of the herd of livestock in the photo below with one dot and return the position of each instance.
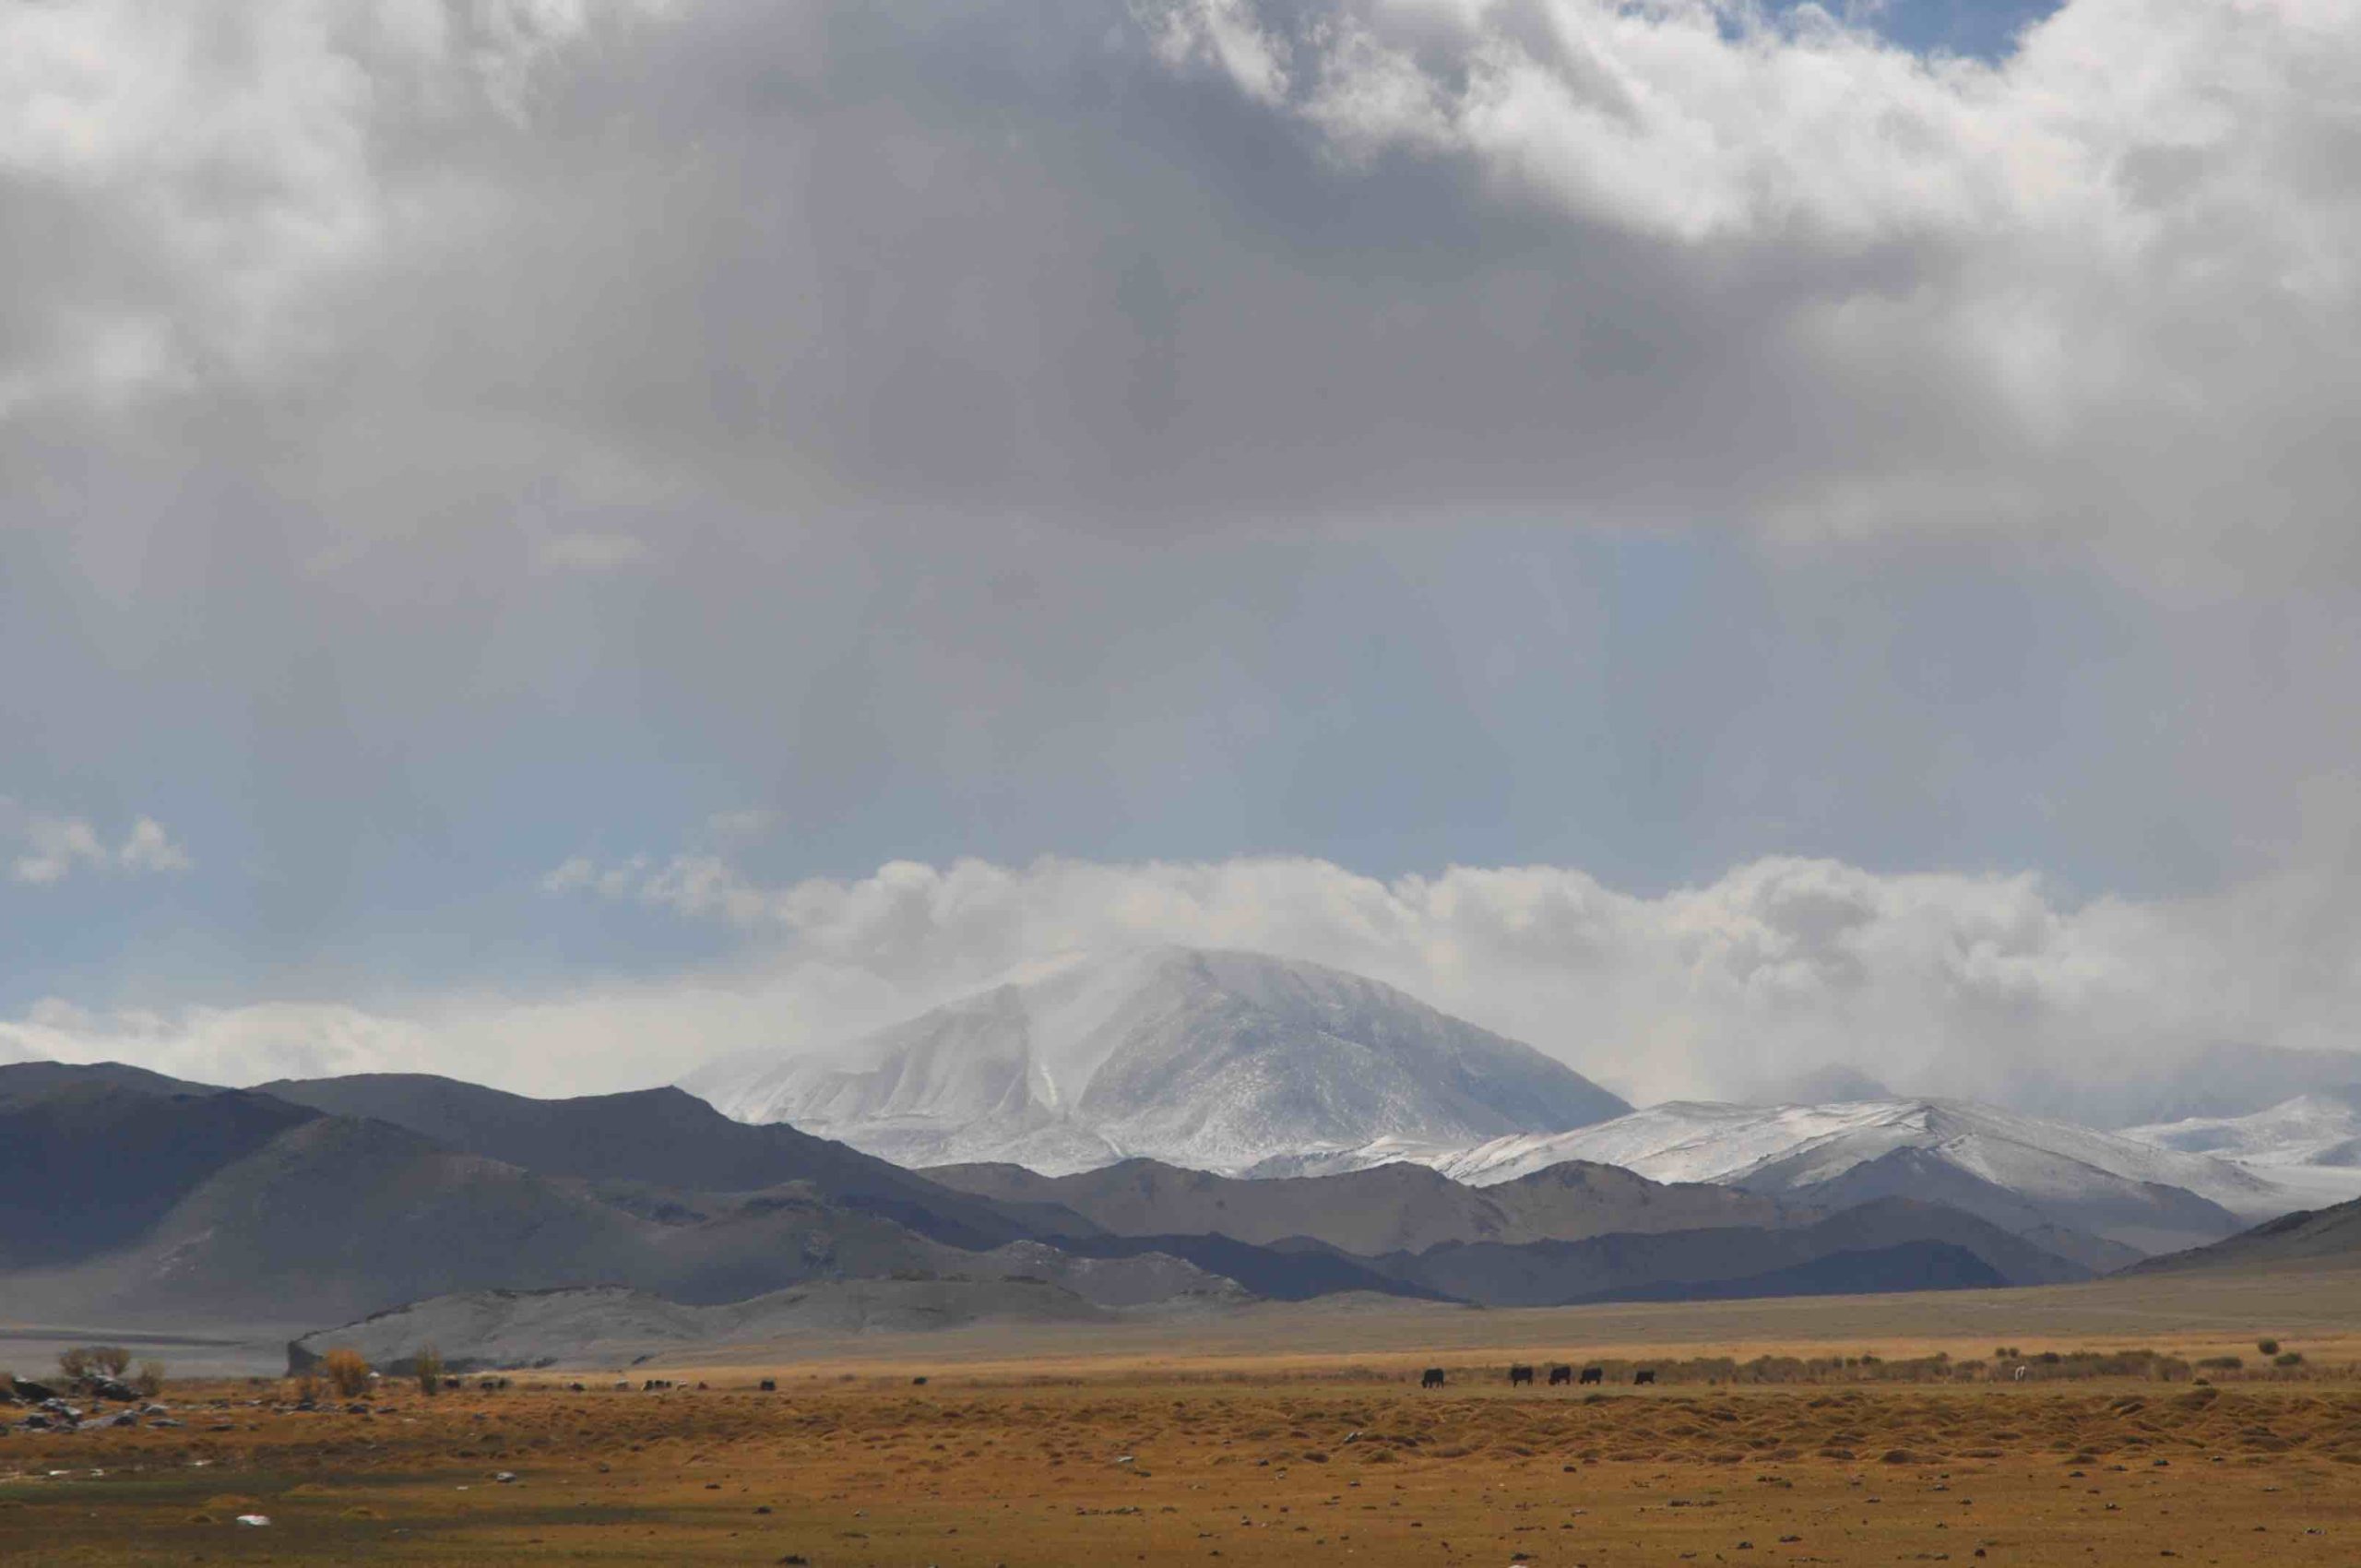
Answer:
(1521, 1374)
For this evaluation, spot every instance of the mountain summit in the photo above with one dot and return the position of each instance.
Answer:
(1213, 1060)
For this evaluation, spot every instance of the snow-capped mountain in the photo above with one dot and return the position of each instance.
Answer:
(1205, 1059)
(2323, 1128)
(2311, 1145)
(2019, 1170)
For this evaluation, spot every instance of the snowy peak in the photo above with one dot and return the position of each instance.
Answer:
(2018, 1170)
(2320, 1128)
(1215, 1059)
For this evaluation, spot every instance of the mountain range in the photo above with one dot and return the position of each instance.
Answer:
(2021, 1172)
(1211, 1060)
(1332, 1136)
(129, 1197)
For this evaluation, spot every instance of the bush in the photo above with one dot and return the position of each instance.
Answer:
(307, 1388)
(88, 1363)
(2222, 1363)
(2288, 1359)
(2268, 1346)
(430, 1371)
(151, 1381)
(346, 1372)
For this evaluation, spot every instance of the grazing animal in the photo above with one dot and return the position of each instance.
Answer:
(576, 1387)
(1520, 1375)
(770, 1385)
(1432, 1378)
(1645, 1374)
(452, 1384)
(1594, 1374)
(1561, 1374)
(918, 1382)
(2023, 1372)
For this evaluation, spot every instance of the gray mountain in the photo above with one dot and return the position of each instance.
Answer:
(2312, 1240)
(662, 1137)
(1388, 1208)
(1210, 1060)
(128, 1198)
(1719, 1263)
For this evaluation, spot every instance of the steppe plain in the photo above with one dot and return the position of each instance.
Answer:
(1295, 1435)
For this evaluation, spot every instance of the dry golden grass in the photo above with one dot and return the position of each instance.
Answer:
(1286, 1436)
(1105, 1466)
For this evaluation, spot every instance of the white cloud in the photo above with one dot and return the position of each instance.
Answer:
(2121, 260)
(208, 173)
(1974, 984)
(50, 848)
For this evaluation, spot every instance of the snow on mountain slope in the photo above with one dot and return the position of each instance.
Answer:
(1205, 1059)
(2019, 1170)
(2309, 1146)
(2320, 1128)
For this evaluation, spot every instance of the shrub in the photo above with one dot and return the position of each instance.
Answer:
(346, 1372)
(2288, 1359)
(2222, 1363)
(2268, 1346)
(430, 1371)
(88, 1363)
(307, 1388)
(151, 1381)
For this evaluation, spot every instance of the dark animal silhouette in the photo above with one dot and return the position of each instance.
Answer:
(1645, 1374)
(770, 1385)
(1594, 1374)
(1561, 1374)
(918, 1382)
(1518, 1376)
(576, 1387)
(1433, 1378)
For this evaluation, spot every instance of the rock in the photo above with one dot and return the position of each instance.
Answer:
(31, 1392)
(255, 1521)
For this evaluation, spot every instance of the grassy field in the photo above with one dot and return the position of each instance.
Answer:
(1215, 1445)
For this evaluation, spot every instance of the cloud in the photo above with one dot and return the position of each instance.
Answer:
(1981, 985)
(51, 848)
(585, 552)
(206, 178)
(1223, 262)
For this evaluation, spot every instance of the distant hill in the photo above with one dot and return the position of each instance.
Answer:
(1388, 1208)
(1708, 1262)
(2020, 1172)
(2315, 1239)
(610, 1326)
(662, 1137)
(1210, 1060)
(221, 1205)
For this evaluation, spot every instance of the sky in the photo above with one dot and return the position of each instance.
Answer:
(550, 541)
